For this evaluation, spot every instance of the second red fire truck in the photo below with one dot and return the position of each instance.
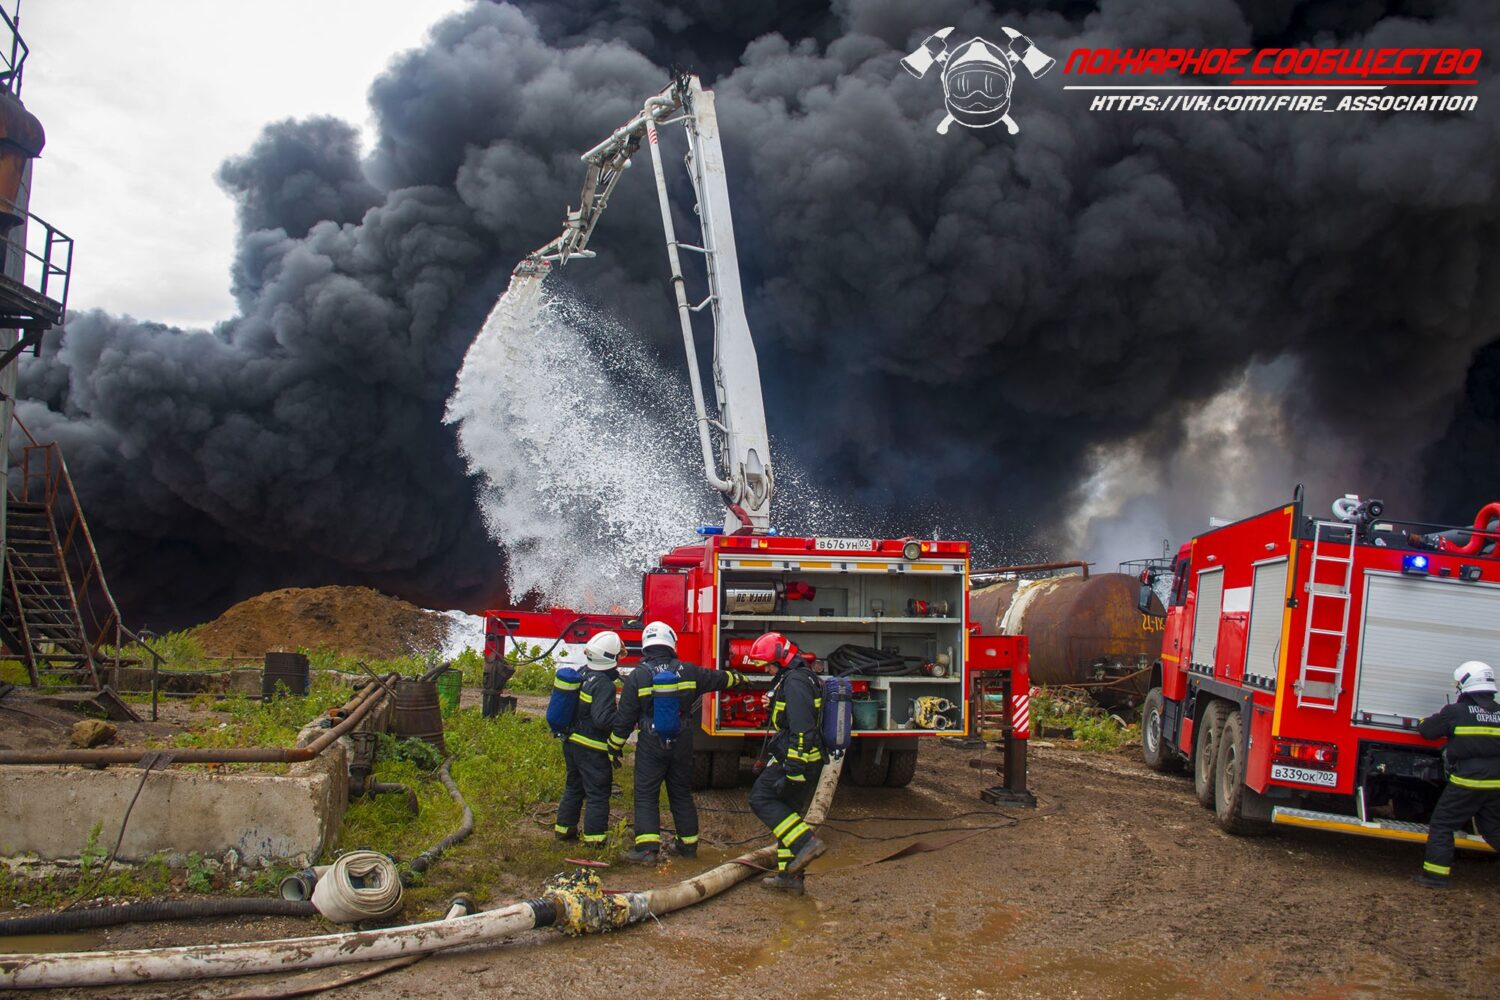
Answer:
(1301, 652)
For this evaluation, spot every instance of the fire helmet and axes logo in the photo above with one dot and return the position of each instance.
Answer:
(977, 76)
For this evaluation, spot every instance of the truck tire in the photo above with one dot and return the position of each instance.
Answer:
(1206, 750)
(1234, 801)
(903, 768)
(703, 764)
(1154, 749)
(724, 770)
(864, 767)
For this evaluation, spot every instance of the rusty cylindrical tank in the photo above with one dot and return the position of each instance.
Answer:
(418, 713)
(1082, 629)
(21, 140)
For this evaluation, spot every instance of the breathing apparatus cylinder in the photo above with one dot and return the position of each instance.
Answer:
(562, 707)
(838, 713)
(666, 703)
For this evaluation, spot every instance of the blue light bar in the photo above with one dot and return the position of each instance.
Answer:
(1415, 562)
(711, 529)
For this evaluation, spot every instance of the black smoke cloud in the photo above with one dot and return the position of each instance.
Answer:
(958, 322)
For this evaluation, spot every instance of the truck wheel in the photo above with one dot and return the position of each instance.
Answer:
(1206, 751)
(1158, 756)
(703, 763)
(864, 767)
(903, 768)
(1234, 801)
(724, 771)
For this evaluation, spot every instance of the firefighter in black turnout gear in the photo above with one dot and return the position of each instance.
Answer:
(661, 759)
(786, 784)
(1472, 728)
(586, 750)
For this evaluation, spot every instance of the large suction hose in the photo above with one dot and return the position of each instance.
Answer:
(248, 958)
(65, 921)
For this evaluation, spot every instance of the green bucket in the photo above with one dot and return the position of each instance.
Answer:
(866, 713)
(450, 684)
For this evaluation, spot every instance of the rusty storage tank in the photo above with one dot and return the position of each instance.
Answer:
(418, 713)
(1084, 629)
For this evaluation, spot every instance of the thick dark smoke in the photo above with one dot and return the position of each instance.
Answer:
(961, 323)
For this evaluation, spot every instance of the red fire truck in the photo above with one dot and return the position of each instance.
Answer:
(1299, 655)
(892, 614)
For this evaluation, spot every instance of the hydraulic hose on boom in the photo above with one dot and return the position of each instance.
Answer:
(736, 446)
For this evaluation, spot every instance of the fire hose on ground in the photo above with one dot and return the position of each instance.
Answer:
(575, 903)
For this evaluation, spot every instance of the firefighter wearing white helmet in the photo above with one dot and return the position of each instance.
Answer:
(658, 696)
(586, 749)
(1471, 725)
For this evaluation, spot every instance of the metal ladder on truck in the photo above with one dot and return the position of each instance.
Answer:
(1319, 683)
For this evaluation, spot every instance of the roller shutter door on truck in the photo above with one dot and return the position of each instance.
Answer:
(1416, 630)
(1267, 609)
(1206, 618)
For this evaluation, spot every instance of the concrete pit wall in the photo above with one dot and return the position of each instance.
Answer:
(48, 811)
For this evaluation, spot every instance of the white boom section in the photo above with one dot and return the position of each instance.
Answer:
(736, 446)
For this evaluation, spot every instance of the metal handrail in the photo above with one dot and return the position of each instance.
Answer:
(54, 259)
(15, 64)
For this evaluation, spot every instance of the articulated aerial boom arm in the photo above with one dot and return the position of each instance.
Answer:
(736, 446)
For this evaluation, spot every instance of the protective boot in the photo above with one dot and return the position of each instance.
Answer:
(804, 857)
(784, 881)
(1430, 880)
(567, 835)
(684, 850)
(641, 854)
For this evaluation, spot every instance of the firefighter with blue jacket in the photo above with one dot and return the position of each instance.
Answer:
(1472, 727)
(586, 750)
(659, 696)
(785, 785)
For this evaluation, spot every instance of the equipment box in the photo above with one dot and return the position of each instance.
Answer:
(894, 627)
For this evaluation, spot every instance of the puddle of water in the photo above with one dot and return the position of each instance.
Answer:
(46, 944)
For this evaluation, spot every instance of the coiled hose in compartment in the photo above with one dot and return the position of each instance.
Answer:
(870, 662)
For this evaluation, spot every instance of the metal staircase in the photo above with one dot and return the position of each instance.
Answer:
(56, 612)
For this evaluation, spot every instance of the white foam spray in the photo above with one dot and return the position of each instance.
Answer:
(583, 443)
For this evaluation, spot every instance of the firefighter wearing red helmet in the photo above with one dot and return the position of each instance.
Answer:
(1471, 726)
(784, 787)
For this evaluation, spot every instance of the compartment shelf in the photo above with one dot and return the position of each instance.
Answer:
(838, 620)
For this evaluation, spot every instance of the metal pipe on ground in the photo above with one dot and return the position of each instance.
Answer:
(358, 707)
(249, 958)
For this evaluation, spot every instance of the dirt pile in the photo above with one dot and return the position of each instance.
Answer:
(356, 621)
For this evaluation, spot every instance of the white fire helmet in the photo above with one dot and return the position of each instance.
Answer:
(603, 651)
(659, 634)
(976, 83)
(1474, 677)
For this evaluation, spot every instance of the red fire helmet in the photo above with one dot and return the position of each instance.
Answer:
(773, 647)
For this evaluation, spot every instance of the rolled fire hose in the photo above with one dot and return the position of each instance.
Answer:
(360, 885)
(106, 968)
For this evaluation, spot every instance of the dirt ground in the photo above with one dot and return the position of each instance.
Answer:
(357, 621)
(1117, 886)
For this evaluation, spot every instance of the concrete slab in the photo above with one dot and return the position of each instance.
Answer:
(48, 811)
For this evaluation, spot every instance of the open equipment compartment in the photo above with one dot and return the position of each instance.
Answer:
(905, 620)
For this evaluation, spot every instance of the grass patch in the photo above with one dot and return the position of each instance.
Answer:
(1093, 728)
(510, 769)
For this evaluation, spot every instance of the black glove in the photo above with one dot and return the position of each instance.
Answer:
(617, 757)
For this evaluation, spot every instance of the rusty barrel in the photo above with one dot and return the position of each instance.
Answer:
(1082, 630)
(286, 670)
(418, 713)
